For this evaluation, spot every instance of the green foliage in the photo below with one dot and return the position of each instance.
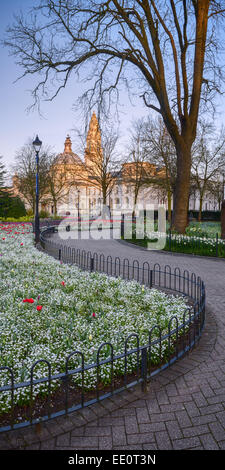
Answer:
(204, 229)
(17, 208)
(3, 173)
(206, 216)
(25, 218)
(5, 202)
(30, 213)
(11, 206)
(43, 214)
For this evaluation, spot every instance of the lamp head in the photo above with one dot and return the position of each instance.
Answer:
(37, 144)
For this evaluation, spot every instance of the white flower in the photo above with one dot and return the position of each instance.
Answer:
(65, 324)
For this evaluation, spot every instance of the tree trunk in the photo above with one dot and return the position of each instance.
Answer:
(104, 203)
(55, 208)
(169, 200)
(182, 187)
(200, 209)
(136, 191)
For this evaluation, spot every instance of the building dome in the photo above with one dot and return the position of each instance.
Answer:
(68, 157)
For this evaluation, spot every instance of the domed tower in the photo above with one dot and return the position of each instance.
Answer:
(68, 157)
(93, 151)
(68, 145)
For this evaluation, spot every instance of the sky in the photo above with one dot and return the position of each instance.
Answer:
(17, 125)
(58, 117)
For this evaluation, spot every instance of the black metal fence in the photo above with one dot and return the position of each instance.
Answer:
(46, 223)
(67, 391)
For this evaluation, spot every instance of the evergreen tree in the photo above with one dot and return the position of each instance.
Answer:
(2, 173)
(4, 195)
(10, 206)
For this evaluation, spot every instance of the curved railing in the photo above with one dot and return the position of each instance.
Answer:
(62, 394)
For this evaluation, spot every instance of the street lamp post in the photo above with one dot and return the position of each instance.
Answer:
(37, 145)
(78, 204)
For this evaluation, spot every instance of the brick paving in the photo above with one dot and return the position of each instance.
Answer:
(183, 407)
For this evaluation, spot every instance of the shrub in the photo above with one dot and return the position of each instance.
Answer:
(43, 214)
(11, 206)
(30, 213)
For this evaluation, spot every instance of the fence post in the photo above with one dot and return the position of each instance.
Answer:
(122, 226)
(144, 369)
(92, 265)
(60, 254)
(151, 279)
(134, 226)
(170, 239)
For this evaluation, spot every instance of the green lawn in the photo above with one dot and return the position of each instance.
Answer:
(204, 229)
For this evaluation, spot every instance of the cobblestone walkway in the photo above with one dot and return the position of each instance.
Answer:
(184, 406)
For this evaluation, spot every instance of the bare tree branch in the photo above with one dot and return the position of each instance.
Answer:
(169, 49)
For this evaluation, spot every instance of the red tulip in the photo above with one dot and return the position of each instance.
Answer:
(39, 307)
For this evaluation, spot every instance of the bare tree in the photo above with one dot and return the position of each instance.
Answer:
(24, 180)
(208, 159)
(160, 151)
(137, 172)
(58, 181)
(164, 43)
(216, 188)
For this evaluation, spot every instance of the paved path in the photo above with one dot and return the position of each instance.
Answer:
(184, 406)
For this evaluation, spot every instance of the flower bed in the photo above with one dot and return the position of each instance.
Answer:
(48, 310)
(198, 245)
